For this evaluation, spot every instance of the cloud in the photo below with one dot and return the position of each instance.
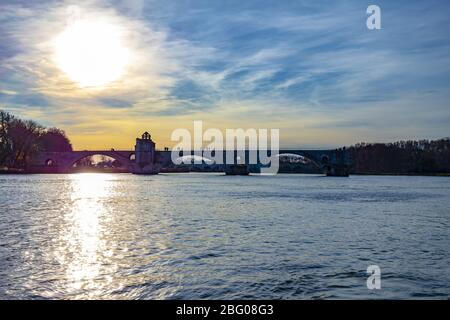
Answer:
(156, 65)
(8, 92)
(312, 69)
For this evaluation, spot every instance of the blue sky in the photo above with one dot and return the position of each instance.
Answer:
(310, 68)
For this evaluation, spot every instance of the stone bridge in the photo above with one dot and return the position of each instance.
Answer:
(62, 162)
(145, 159)
(331, 162)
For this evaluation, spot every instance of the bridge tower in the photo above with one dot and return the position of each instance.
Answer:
(145, 155)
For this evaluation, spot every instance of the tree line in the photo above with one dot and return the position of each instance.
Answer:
(402, 157)
(20, 139)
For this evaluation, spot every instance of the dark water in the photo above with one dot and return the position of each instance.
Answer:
(217, 237)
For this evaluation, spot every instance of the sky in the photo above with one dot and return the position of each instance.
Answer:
(309, 68)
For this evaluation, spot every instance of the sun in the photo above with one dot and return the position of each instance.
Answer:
(91, 53)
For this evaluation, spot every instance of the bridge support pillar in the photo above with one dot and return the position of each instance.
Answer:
(338, 171)
(237, 170)
(339, 167)
(145, 156)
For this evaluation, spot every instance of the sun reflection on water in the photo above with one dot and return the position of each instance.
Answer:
(87, 219)
(103, 250)
(102, 236)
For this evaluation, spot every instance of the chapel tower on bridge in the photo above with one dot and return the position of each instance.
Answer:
(145, 155)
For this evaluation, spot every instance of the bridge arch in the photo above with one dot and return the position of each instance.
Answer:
(191, 159)
(303, 157)
(292, 157)
(124, 158)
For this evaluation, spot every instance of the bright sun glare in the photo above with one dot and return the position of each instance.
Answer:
(91, 53)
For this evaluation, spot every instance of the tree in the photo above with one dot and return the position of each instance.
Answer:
(20, 139)
(25, 140)
(402, 157)
(6, 150)
(55, 140)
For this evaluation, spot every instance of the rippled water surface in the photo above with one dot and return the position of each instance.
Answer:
(188, 236)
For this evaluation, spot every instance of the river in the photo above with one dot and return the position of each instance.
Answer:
(211, 236)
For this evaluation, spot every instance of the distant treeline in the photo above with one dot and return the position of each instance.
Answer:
(402, 157)
(19, 139)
